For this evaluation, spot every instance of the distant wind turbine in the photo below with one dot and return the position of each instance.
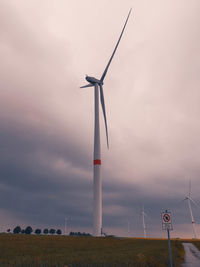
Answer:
(97, 184)
(189, 199)
(66, 220)
(143, 222)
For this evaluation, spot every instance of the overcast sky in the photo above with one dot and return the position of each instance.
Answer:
(46, 122)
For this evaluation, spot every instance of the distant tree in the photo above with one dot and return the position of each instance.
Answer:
(71, 233)
(17, 230)
(52, 231)
(8, 231)
(45, 231)
(38, 231)
(28, 230)
(22, 231)
(58, 232)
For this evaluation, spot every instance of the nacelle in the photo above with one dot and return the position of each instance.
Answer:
(93, 80)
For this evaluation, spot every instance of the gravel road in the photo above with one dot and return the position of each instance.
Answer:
(192, 256)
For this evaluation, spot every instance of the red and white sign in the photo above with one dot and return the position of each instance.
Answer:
(166, 217)
(166, 220)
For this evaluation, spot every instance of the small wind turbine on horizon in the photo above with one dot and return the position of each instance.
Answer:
(97, 184)
(189, 200)
(66, 224)
(143, 222)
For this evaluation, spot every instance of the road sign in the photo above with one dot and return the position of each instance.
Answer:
(166, 220)
(166, 217)
(167, 225)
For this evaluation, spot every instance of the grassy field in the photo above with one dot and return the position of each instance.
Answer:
(196, 243)
(25, 250)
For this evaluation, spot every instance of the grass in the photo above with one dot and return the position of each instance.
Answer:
(25, 250)
(196, 243)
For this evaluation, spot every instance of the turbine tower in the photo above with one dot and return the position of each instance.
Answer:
(97, 183)
(189, 199)
(143, 222)
(66, 224)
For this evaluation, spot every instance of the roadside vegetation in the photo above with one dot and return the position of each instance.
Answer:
(85, 251)
(195, 242)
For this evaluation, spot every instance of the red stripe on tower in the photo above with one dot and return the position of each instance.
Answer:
(97, 162)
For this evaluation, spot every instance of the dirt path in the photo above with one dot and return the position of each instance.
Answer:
(192, 256)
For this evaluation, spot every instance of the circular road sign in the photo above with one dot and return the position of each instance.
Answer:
(166, 218)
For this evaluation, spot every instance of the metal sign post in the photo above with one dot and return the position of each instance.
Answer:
(167, 225)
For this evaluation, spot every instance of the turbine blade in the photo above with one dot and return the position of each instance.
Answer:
(104, 112)
(87, 85)
(189, 187)
(106, 69)
(194, 202)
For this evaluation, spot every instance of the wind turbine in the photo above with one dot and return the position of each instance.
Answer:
(66, 225)
(189, 199)
(97, 184)
(143, 222)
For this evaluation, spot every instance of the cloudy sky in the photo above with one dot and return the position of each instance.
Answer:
(46, 122)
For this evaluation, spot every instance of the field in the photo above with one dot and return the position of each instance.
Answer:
(196, 243)
(32, 250)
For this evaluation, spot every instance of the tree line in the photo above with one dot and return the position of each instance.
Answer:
(29, 230)
(79, 234)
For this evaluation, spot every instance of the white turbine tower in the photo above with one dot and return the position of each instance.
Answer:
(143, 222)
(97, 184)
(66, 224)
(189, 199)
